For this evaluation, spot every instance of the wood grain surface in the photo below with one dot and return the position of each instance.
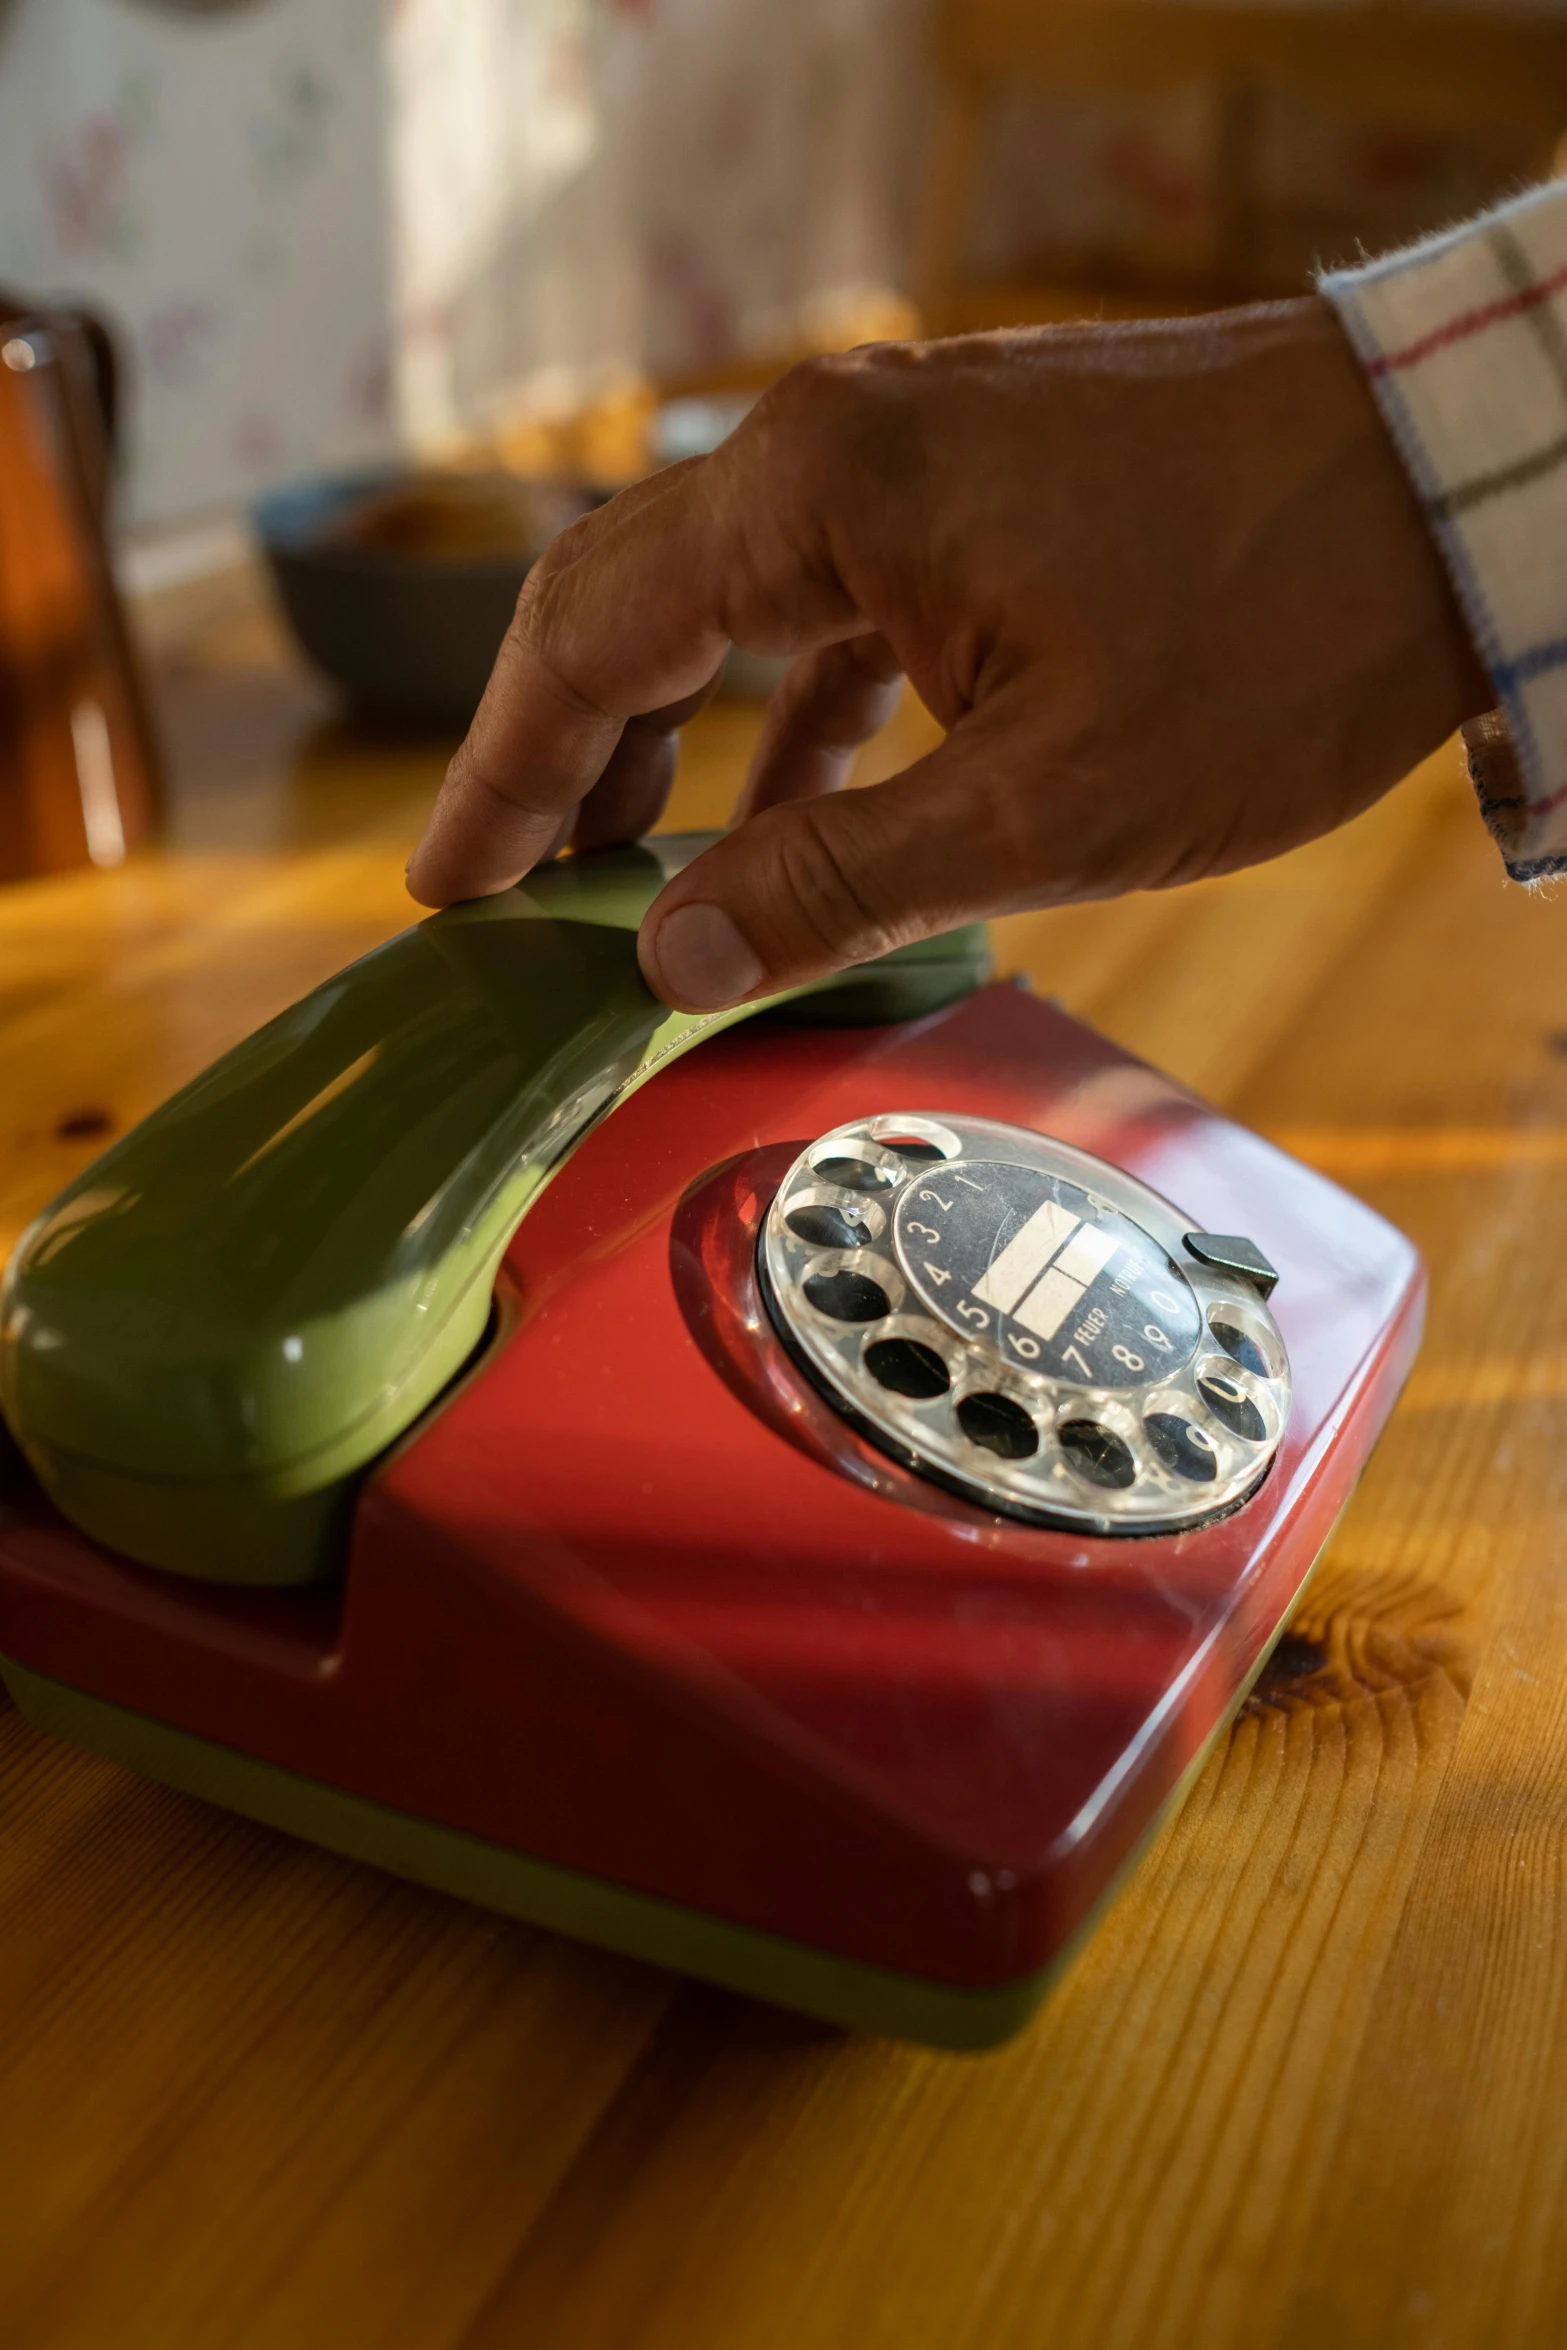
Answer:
(1307, 2083)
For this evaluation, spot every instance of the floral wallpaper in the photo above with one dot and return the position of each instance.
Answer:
(322, 224)
(216, 186)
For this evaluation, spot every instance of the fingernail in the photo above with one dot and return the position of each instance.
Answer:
(703, 959)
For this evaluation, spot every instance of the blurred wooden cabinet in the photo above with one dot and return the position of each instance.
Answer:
(1432, 68)
(78, 780)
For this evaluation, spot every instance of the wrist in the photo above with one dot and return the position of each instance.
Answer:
(1397, 530)
(1372, 623)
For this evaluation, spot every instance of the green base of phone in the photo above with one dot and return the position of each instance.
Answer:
(612, 1917)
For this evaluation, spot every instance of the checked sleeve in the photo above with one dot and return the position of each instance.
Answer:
(1464, 339)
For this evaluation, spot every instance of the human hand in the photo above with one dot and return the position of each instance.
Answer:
(1165, 585)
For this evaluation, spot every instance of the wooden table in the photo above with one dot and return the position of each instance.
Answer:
(1307, 2083)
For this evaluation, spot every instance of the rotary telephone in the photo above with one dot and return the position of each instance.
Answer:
(785, 1494)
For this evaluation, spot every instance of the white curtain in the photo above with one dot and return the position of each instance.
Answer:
(587, 190)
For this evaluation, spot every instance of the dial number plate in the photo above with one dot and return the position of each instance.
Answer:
(1049, 1274)
(1024, 1324)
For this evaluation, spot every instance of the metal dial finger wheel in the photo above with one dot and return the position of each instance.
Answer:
(1025, 1324)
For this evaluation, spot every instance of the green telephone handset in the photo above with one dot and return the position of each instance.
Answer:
(211, 1333)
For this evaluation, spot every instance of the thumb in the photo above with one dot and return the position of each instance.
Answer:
(807, 887)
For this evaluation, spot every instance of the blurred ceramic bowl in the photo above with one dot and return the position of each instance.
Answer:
(400, 584)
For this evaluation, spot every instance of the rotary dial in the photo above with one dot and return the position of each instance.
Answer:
(1024, 1323)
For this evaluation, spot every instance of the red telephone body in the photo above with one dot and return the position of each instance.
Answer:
(634, 1604)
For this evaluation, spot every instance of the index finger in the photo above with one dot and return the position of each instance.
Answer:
(627, 615)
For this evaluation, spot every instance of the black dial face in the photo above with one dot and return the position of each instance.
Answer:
(1057, 1282)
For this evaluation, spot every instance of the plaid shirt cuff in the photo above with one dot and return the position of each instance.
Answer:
(1464, 339)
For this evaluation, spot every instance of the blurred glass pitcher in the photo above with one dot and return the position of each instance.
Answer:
(78, 780)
